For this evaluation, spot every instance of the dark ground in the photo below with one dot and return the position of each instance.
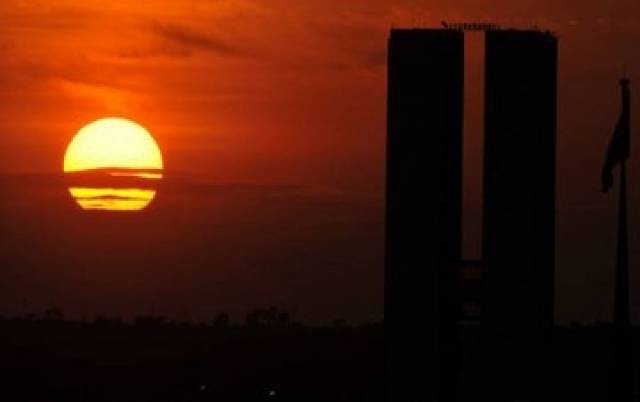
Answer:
(154, 360)
(268, 357)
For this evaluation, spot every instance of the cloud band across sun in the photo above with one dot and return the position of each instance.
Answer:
(110, 151)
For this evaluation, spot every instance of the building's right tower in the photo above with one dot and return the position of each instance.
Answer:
(519, 209)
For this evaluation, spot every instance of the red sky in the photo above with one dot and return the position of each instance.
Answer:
(288, 98)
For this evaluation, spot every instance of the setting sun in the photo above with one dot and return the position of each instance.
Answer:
(112, 143)
(121, 151)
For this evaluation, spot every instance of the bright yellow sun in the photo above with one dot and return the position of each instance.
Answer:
(112, 143)
(111, 162)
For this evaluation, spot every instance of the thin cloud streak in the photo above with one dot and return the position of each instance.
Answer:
(193, 40)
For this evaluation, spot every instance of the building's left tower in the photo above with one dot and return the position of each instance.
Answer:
(423, 212)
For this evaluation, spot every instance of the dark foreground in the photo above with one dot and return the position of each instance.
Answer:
(151, 360)
(268, 358)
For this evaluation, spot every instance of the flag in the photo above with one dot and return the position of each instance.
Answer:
(619, 147)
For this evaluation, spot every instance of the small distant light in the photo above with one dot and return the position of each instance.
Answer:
(203, 388)
(272, 392)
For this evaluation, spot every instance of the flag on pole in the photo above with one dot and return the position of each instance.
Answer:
(619, 147)
(622, 385)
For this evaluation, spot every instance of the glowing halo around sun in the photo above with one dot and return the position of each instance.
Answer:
(113, 164)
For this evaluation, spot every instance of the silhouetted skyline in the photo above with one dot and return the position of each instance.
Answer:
(423, 258)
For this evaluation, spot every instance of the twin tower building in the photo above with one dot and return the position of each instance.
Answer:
(424, 207)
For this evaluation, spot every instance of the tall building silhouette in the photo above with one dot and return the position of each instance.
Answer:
(423, 215)
(519, 209)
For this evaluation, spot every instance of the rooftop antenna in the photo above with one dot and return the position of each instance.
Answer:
(470, 26)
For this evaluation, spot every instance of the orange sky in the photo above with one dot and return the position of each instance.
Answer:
(285, 92)
(234, 86)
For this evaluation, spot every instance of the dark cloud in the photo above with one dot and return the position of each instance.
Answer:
(179, 42)
(192, 40)
(165, 50)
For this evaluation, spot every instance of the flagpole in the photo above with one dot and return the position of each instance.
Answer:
(622, 381)
(623, 360)
(624, 377)
(621, 307)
